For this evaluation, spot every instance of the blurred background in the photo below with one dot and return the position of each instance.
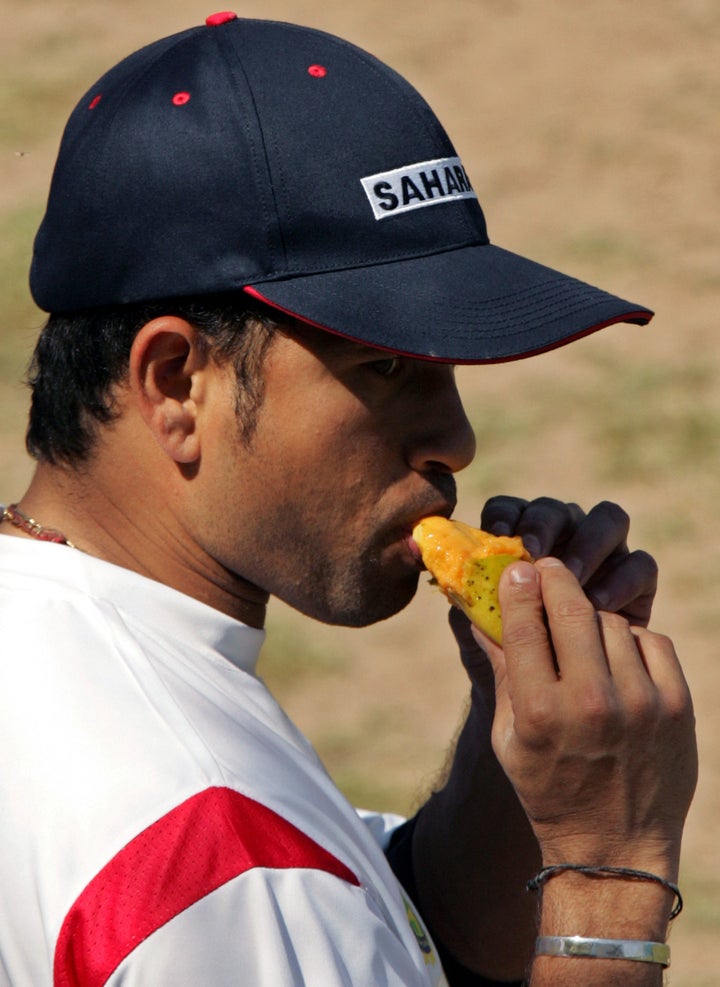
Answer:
(591, 133)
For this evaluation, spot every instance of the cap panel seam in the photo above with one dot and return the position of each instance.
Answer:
(121, 90)
(270, 208)
(421, 111)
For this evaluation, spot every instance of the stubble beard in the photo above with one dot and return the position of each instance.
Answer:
(351, 592)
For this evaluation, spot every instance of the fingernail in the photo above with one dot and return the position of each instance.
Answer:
(600, 600)
(575, 566)
(522, 573)
(549, 562)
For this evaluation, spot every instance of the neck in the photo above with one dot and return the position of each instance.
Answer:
(138, 533)
(31, 527)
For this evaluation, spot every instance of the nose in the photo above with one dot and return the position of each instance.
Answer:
(443, 438)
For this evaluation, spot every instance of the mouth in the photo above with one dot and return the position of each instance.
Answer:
(441, 508)
(414, 551)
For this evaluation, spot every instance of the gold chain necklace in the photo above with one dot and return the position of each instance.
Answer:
(32, 527)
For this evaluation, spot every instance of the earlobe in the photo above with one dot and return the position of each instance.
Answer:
(166, 365)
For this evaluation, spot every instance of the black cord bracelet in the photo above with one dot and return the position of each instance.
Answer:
(624, 872)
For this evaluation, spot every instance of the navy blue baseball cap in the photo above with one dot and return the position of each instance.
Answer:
(267, 158)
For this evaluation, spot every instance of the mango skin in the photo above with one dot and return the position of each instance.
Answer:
(466, 563)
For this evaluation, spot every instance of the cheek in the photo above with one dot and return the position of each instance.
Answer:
(335, 465)
(315, 508)
(306, 520)
(301, 504)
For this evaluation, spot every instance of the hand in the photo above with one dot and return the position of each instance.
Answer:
(593, 546)
(593, 725)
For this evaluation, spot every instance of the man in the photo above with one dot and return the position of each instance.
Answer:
(262, 258)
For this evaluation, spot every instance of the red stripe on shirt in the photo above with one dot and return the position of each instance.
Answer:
(197, 847)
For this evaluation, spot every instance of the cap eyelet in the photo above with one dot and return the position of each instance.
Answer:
(222, 17)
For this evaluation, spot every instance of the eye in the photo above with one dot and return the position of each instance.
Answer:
(388, 367)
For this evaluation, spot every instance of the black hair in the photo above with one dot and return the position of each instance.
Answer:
(81, 357)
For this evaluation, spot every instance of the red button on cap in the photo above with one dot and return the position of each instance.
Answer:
(215, 20)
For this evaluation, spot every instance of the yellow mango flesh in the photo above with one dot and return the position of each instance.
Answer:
(466, 563)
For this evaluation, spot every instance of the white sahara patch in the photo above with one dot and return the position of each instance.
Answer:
(427, 183)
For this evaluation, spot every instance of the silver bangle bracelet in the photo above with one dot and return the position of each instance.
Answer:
(604, 949)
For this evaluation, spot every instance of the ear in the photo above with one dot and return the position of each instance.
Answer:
(166, 379)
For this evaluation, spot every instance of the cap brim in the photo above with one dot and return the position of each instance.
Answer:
(476, 304)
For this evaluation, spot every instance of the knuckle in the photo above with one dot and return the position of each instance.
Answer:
(523, 636)
(678, 703)
(611, 621)
(598, 706)
(645, 564)
(683, 716)
(502, 501)
(614, 513)
(502, 508)
(574, 611)
(661, 642)
(537, 717)
(551, 502)
(545, 510)
(641, 706)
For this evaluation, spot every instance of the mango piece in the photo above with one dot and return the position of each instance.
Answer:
(466, 564)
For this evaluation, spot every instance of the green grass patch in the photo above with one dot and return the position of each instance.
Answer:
(350, 754)
(642, 422)
(505, 435)
(291, 655)
(702, 898)
(369, 792)
(651, 423)
(293, 661)
(606, 250)
(20, 318)
(44, 80)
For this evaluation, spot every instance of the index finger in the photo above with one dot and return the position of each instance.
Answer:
(600, 535)
(529, 657)
(501, 514)
(573, 623)
(544, 523)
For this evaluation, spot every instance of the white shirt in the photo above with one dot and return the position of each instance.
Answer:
(163, 822)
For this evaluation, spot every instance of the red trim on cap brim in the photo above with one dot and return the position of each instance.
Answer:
(639, 317)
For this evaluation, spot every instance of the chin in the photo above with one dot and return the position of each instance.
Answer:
(361, 607)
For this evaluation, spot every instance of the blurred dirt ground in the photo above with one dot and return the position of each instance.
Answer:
(592, 135)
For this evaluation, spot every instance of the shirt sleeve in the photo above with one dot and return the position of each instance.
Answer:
(382, 825)
(275, 929)
(223, 890)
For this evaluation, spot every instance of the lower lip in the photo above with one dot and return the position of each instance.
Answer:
(414, 550)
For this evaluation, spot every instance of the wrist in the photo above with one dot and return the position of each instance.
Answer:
(659, 856)
(609, 903)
